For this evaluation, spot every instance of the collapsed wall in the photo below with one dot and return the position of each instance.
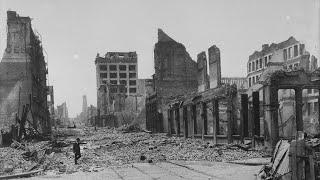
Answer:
(175, 71)
(175, 74)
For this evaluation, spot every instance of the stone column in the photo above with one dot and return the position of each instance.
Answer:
(203, 113)
(298, 99)
(177, 117)
(169, 122)
(194, 119)
(256, 113)
(271, 116)
(205, 119)
(244, 117)
(185, 121)
(190, 112)
(215, 115)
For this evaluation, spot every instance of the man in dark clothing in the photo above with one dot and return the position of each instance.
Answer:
(76, 151)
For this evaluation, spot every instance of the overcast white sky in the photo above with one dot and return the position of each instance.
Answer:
(74, 31)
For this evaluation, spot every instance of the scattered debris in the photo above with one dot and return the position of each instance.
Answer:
(142, 158)
(112, 147)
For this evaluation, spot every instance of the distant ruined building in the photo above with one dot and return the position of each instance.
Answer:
(63, 116)
(23, 79)
(120, 94)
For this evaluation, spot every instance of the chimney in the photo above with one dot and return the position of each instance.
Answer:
(265, 46)
(202, 74)
(214, 66)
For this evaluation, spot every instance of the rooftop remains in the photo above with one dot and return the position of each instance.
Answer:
(266, 48)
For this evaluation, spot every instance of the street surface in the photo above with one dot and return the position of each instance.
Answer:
(176, 170)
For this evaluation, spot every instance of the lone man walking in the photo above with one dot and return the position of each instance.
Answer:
(76, 151)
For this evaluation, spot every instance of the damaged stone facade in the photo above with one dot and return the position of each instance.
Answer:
(209, 112)
(175, 71)
(290, 56)
(184, 92)
(175, 74)
(23, 81)
(297, 80)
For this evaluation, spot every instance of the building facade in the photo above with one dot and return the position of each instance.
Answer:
(23, 76)
(289, 55)
(118, 68)
(117, 86)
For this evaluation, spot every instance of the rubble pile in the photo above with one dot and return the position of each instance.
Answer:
(111, 147)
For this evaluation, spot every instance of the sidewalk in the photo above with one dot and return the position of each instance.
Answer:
(199, 170)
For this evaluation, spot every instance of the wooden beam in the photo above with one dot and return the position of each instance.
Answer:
(19, 175)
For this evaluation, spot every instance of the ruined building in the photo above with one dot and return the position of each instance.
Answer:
(118, 68)
(289, 55)
(23, 78)
(62, 115)
(117, 87)
(188, 100)
(175, 74)
(92, 114)
(175, 71)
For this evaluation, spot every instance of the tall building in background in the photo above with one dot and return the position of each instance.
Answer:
(117, 75)
(84, 113)
(84, 104)
(118, 68)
